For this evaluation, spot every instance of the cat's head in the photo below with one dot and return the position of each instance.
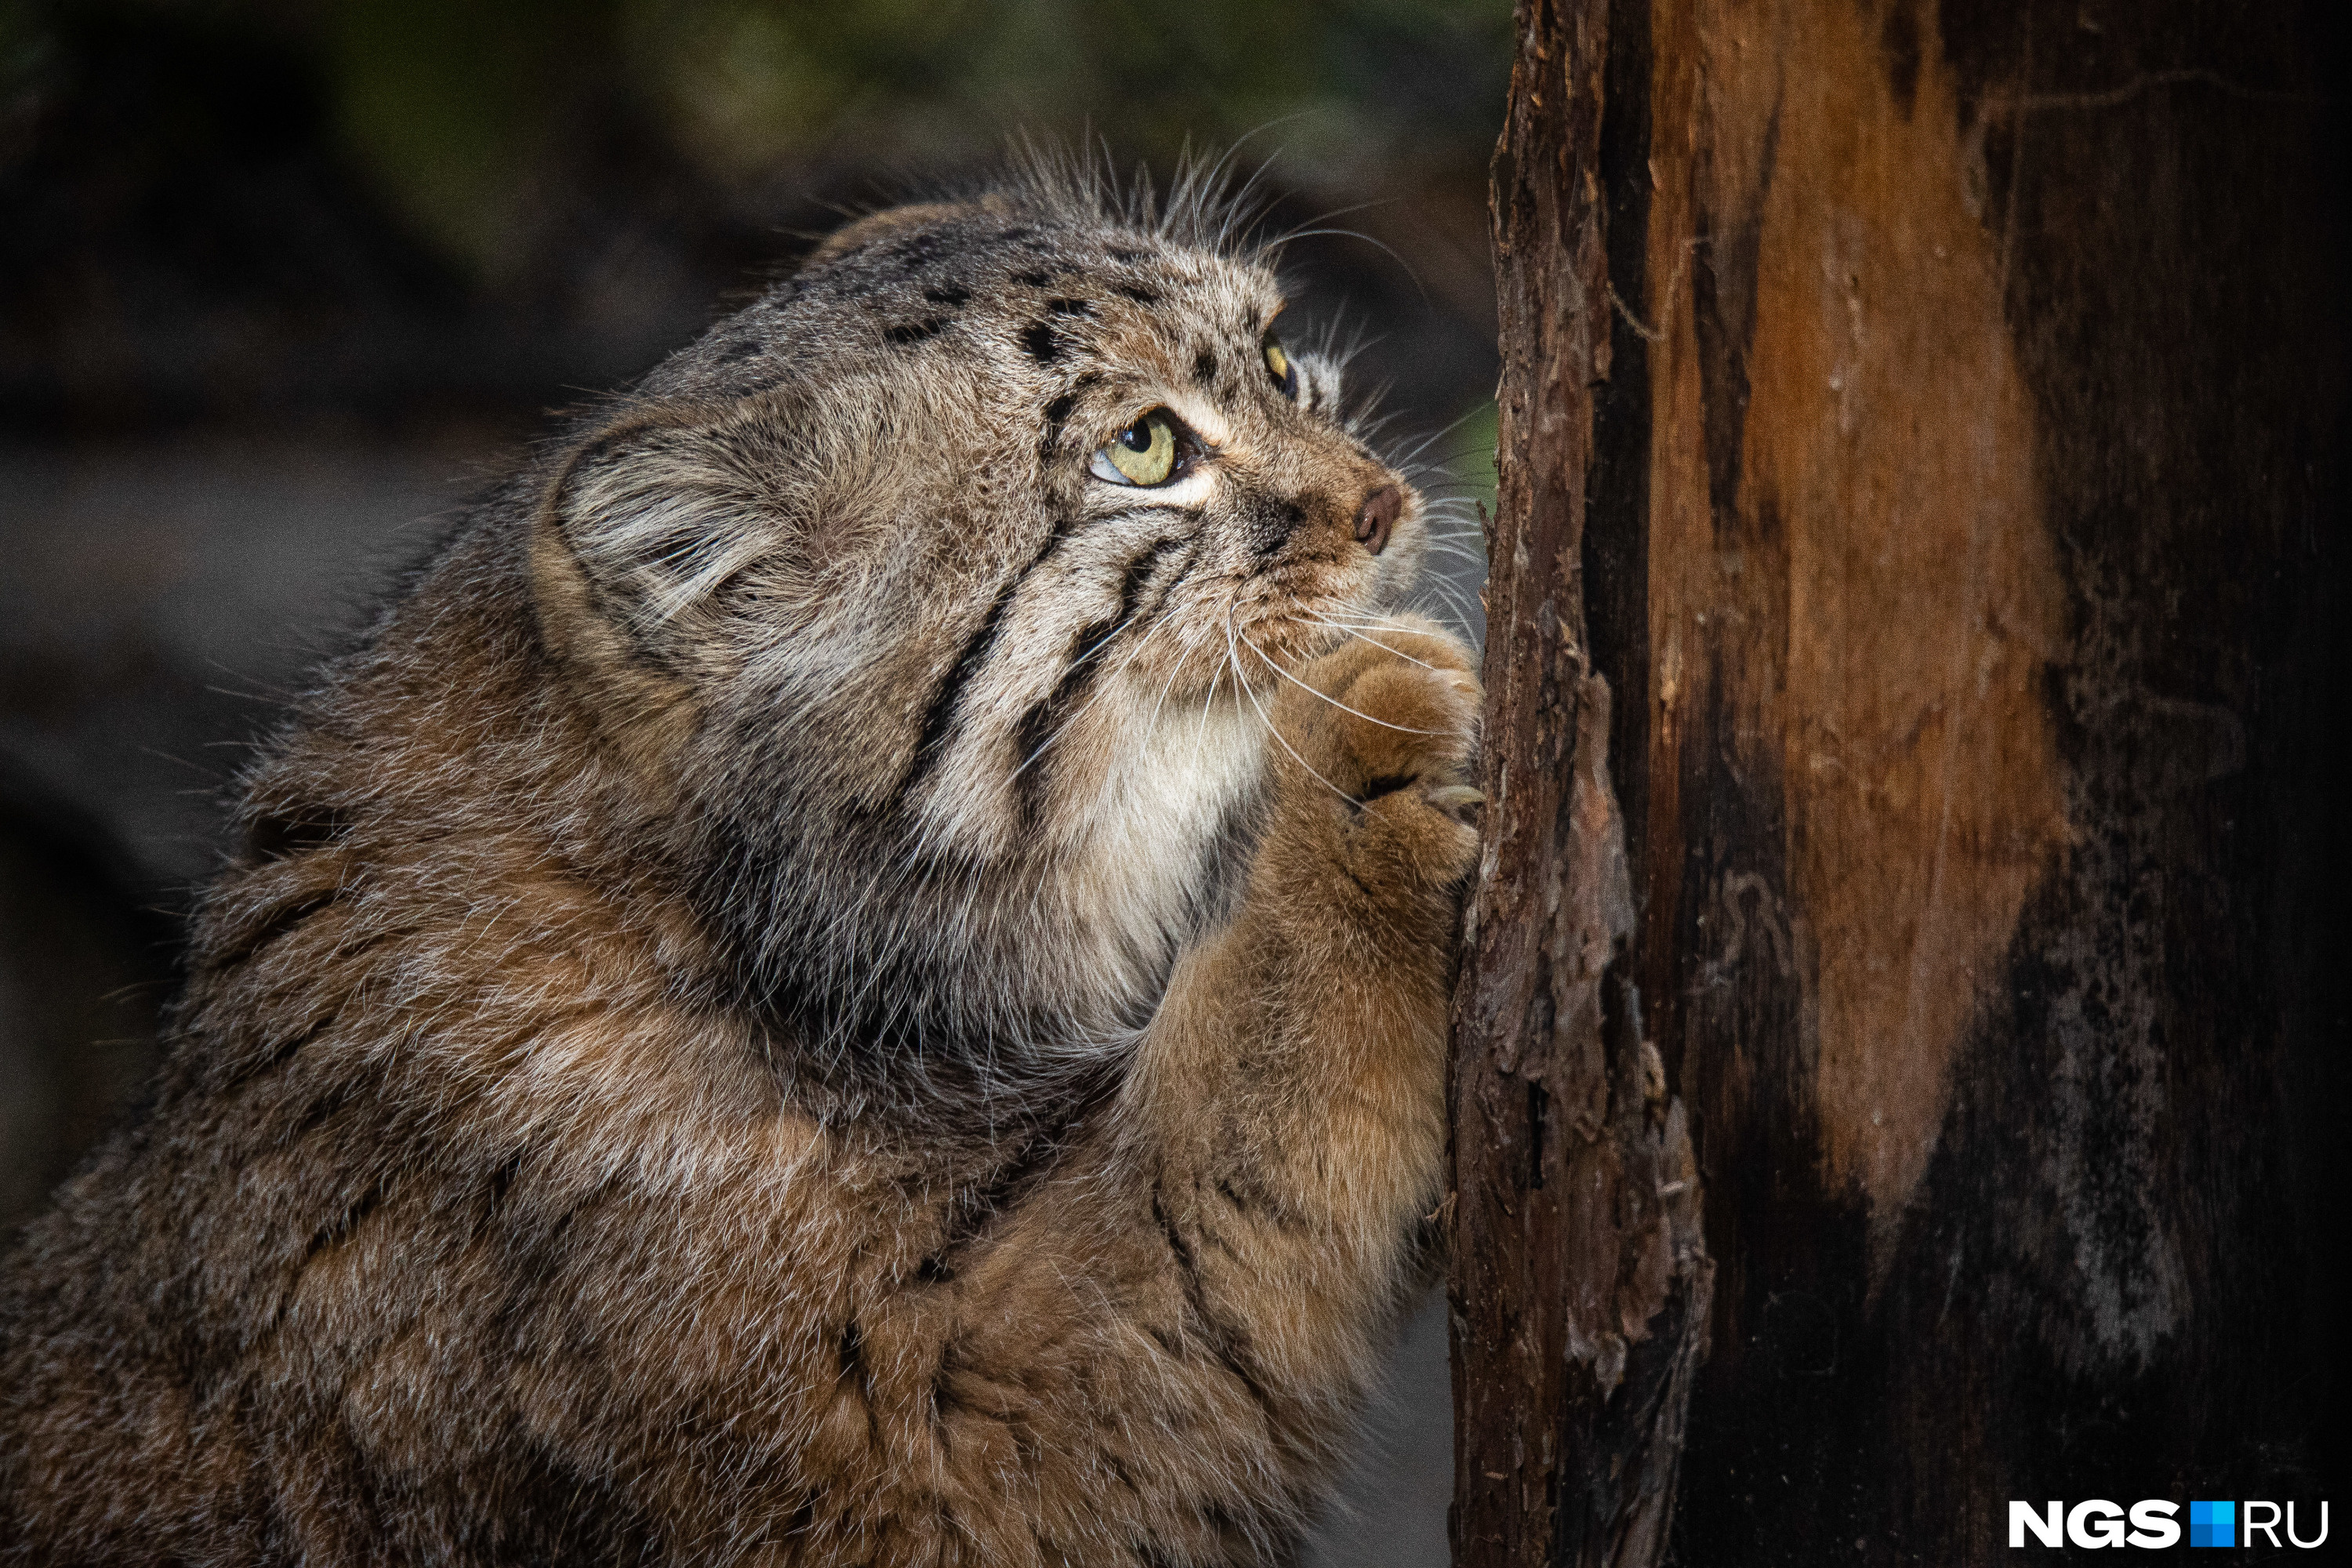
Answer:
(944, 590)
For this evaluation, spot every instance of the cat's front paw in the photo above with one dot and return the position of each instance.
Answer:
(1385, 728)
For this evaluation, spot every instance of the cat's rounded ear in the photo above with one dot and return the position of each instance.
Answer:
(1319, 383)
(646, 529)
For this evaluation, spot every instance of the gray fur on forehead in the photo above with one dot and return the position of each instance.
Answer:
(929, 268)
(1053, 238)
(972, 255)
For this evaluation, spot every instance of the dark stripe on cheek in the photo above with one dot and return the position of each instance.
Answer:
(1084, 661)
(1138, 572)
(1176, 578)
(949, 295)
(1204, 369)
(938, 717)
(1041, 344)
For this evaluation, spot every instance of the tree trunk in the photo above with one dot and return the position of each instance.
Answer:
(1938, 413)
(1580, 1283)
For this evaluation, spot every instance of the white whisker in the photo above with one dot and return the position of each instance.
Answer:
(1232, 658)
(1360, 636)
(1208, 706)
(1269, 662)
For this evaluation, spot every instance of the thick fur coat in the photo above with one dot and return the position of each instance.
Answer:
(842, 980)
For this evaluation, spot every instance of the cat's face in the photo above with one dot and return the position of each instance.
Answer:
(951, 580)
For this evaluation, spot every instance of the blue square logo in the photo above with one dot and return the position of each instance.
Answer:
(2213, 1524)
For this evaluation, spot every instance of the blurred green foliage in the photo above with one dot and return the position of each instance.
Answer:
(749, 80)
(453, 104)
(222, 207)
(460, 108)
(1468, 451)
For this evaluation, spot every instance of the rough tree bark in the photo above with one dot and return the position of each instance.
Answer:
(1580, 1283)
(1935, 414)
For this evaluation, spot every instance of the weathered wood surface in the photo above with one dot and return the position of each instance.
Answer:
(1579, 1282)
(1957, 481)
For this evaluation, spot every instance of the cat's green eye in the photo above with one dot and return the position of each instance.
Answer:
(1278, 365)
(1142, 453)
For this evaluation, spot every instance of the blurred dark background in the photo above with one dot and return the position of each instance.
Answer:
(282, 283)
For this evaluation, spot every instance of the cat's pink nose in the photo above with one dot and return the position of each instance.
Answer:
(1378, 516)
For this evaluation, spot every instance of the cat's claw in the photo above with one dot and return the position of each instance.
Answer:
(1456, 799)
